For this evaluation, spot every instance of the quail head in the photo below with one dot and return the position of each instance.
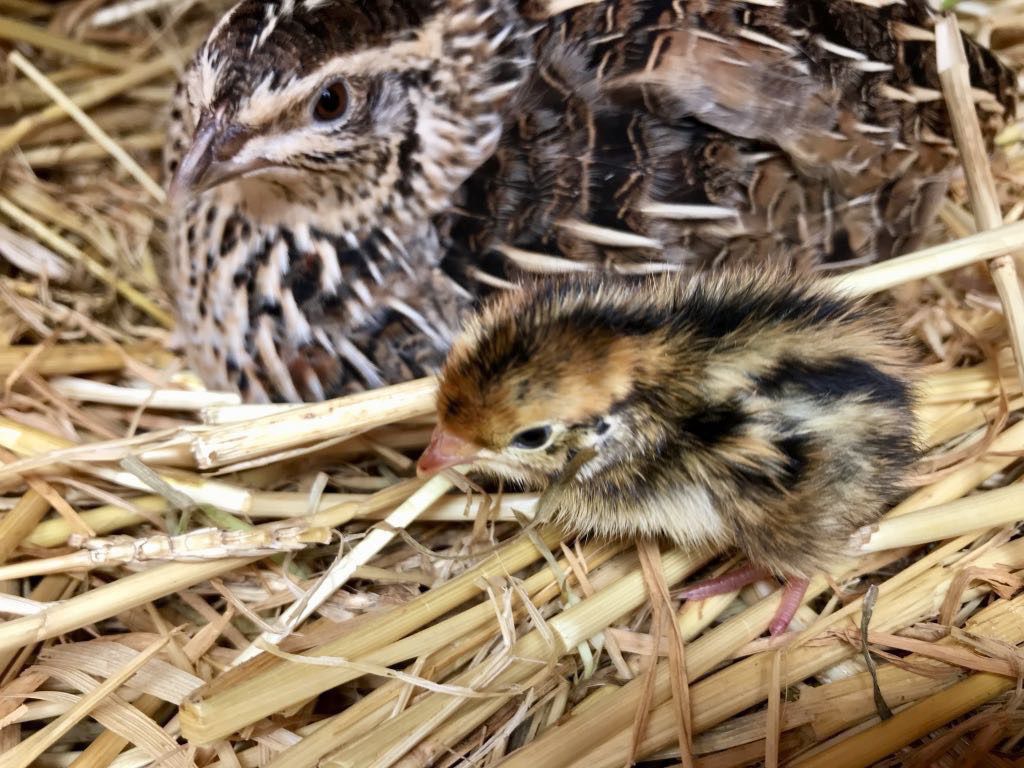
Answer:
(349, 177)
(744, 409)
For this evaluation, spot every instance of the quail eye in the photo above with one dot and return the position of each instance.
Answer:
(532, 439)
(332, 102)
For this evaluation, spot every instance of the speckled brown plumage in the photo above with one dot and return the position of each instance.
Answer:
(744, 409)
(484, 141)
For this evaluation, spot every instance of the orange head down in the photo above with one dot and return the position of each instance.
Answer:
(536, 378)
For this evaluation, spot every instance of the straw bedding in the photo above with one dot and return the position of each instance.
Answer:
(185, 580)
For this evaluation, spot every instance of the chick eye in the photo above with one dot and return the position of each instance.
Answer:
(332, 102)
(532, 439)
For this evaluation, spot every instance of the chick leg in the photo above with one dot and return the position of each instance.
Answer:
(792, 596)
(727, 582)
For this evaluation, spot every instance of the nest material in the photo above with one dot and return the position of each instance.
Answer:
(438, 631)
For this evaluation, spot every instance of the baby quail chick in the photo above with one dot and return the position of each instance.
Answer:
(741, 409)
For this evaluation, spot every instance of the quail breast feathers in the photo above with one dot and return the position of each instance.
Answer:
(349, 178)
(742, 409)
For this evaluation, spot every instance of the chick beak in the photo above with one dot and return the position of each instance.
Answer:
(211, 159)
(445, 450)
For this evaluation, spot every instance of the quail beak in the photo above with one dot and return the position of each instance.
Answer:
(445, 450)
(211, 159)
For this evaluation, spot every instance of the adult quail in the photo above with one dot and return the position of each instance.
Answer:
(348, 177)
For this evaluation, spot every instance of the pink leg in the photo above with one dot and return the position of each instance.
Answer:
(727, 582)
(792, 596)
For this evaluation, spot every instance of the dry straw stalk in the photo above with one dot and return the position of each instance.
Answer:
(563, 632)
(334, 420)
(25, 753)
(745, 683)
(339, 573)
(265, 685)
(954, 74)
(474, 627)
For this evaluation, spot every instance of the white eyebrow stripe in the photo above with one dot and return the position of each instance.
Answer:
(428, 44)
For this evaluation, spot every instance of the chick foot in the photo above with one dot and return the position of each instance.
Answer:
(792, 592)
